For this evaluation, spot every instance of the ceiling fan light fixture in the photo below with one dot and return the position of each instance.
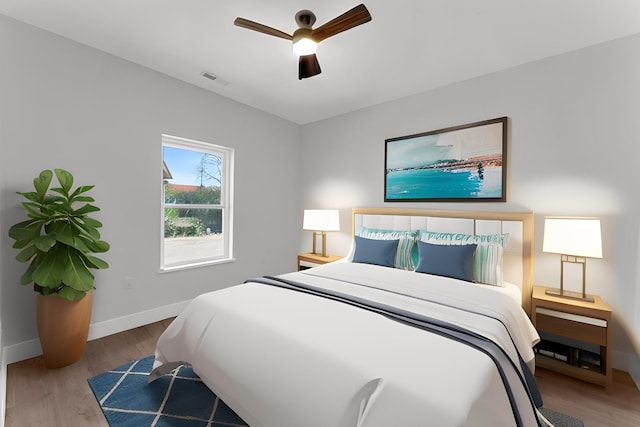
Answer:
(303, 42)
(306, 38)
(304, 46)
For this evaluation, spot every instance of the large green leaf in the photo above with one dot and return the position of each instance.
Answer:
(35, 210)
(44, 243)
(31, 195)
(27, 253)
(89, 222)
(27, 276)
(65, 179)
(71, 294)
(60, 205)
(84, 189)
(75, 196)
(86, 209)
(76, 274)
(88, 230)
(77, 199)
(80, 243)
(63, 232)
(53, 200)
(98, 246)
(95, 262)
(41, 183)
(25, 232)
(61, 191)
(51, 268)
(80, 190)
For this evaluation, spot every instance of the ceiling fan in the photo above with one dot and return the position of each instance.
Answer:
(305, 38)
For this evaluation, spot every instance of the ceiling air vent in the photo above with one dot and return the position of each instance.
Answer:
(215, 78)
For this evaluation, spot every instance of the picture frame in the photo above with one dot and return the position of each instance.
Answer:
(466, 163)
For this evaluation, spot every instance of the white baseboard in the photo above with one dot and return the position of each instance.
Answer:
(31, 348)
(3, 385)
(3, 391)
(3, 381)
(120, 324)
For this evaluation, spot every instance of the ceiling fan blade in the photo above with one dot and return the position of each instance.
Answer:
(256, 26)
(308, 66)
(354, 17)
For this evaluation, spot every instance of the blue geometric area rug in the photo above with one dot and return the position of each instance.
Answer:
(179, 399)
(560, 420)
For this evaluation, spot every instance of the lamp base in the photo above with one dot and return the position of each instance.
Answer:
(324, 243)
(569, 294)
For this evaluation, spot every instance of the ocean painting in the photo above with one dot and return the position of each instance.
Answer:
(463, 163)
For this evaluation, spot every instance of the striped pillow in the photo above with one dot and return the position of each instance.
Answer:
(488, 259)
(405, 253)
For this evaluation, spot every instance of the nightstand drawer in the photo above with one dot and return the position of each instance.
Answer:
(303, 265)
(570, 316)
(580, 330)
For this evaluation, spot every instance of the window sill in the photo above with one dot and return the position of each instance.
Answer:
(195, 265)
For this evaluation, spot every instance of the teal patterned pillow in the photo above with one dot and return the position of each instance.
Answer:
(406, 254)
(488, 259)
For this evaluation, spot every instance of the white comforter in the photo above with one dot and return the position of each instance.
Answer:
(282, 358)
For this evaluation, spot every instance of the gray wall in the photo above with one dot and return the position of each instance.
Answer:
(65, 105)
(574, 145)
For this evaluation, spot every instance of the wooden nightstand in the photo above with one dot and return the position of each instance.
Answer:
(579, 322)
(309, 260)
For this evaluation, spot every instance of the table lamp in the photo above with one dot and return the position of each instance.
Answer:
(575, 239)
(320, 221)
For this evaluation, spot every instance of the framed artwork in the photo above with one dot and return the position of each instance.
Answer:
(464, 163)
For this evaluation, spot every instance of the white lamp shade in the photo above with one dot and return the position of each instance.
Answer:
(321, 220)
(579, 237)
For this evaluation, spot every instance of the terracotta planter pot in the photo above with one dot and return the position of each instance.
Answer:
(63, 327)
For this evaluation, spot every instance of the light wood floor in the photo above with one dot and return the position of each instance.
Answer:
(37, 396)
(589, 402)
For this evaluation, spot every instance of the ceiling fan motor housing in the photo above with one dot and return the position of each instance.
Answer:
(305, 19)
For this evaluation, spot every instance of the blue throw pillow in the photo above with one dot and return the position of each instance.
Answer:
(407, 253)
(380, 252)
(447, 260)
(488, 259)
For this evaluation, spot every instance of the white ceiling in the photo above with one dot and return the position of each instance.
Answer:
(409, 46)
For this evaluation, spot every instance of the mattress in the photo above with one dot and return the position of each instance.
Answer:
(281, 356)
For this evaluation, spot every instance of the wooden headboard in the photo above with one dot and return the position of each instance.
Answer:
(518, 255)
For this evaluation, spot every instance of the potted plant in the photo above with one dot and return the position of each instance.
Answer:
(58, 241)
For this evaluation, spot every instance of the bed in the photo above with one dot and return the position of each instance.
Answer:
(389, 335)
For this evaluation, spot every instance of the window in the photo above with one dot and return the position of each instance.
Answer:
(197, 190)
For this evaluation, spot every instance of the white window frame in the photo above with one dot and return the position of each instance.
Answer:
(226, 201)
